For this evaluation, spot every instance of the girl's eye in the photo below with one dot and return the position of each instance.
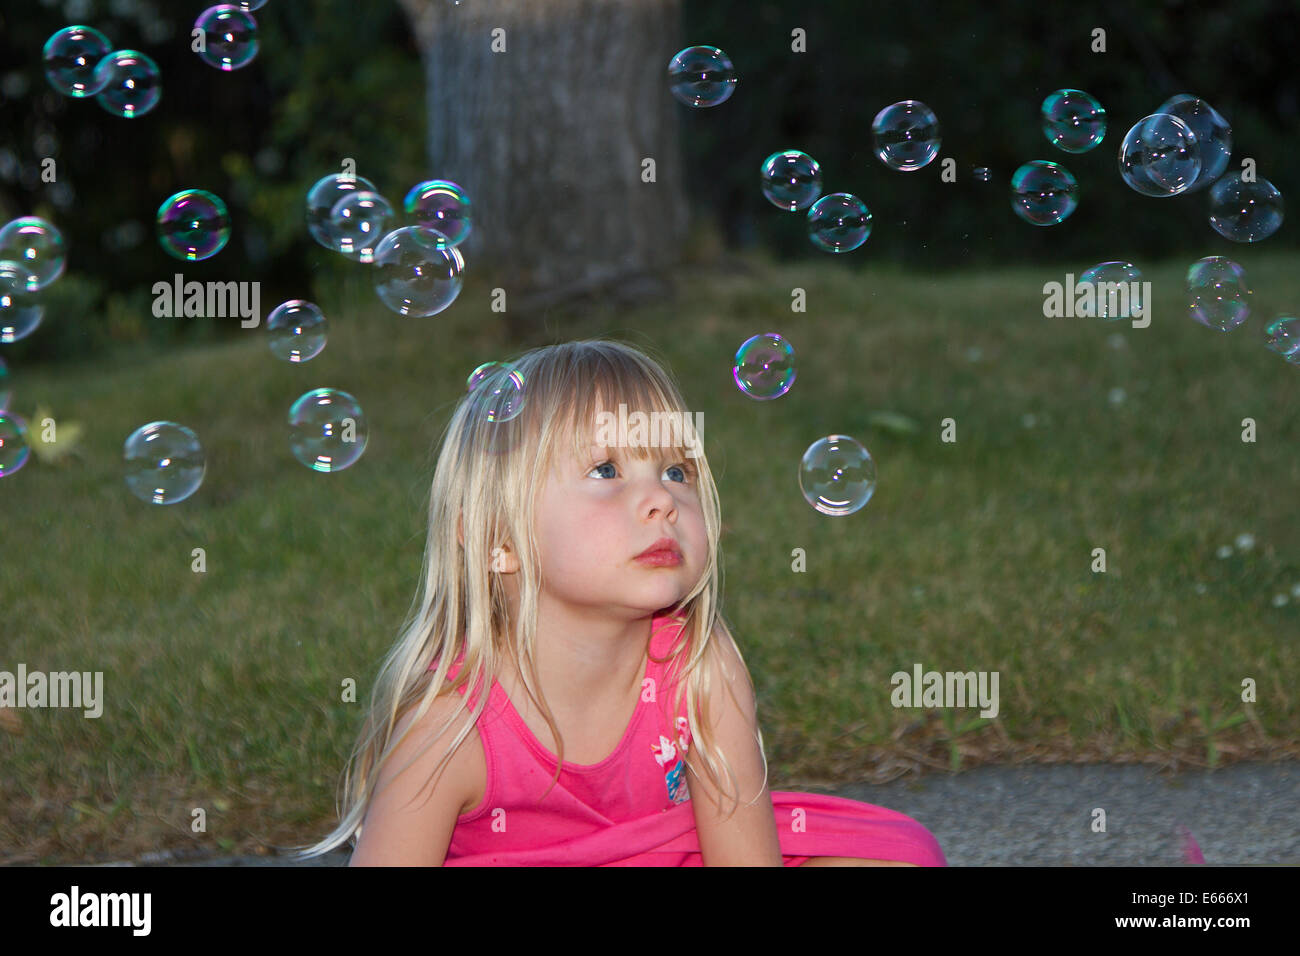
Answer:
(606, 464)
(687, 471)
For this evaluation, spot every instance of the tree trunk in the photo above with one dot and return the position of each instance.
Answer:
(549, 138)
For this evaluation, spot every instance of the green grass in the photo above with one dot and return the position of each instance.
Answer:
(223, 688)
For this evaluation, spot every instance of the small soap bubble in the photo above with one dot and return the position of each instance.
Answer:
(840, 222)
(1282, 336)
(1118, 290)
(71, 56)
(1218, 292)
(35, 247)
(440, 205)
(982, 174)
(1073, 121)
(14, 446)
(323, 197)
(20, 313)
(229, 36)
(1043, 193)
(129, 83)
(357, 223)
(164, 463)
(1245, 211)
(701, 76)
(764, 367)
(499, 393)
(1160, 156)
(327, 430)
(837, 475)
(906, 135)
(1212, 132)
(193, 225)
(297, 331)
(417, 271)
(791, 180)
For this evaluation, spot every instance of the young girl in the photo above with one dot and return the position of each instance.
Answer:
(578, 582)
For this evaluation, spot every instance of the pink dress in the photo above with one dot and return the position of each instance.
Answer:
(634, 808)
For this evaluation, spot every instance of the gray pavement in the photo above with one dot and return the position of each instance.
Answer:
(1247, 814)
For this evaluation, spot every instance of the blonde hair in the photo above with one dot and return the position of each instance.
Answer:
(486, 474)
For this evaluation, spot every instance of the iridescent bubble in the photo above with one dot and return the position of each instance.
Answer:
(417, 271)
(791, 180)
(327, 430)
(14, 446)
(357, 223)
(193, 224)
(297, 331)
(440, 205)
(71, 56)
(164, 463)
(36, 248)
(498, 391)
(129, 83)
(1118, 290)
(906, 135)
(839, 222)
(1282, 336)
(20, 313)
(1073, 121)
(764, 367)
(1043, 193)
(701, 76)
(1212, 132)
(6, 390)
(229, 36)
(837, 475)
(323, 197)
(1160, 156)
(1218, 293)
(1245, 211)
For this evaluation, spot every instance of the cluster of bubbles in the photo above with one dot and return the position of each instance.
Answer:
(32, 256)
(81, 62)
(418, 267)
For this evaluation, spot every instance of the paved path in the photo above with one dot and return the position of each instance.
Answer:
(1042, 816)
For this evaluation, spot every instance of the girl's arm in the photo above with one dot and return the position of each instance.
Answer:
(748, 837)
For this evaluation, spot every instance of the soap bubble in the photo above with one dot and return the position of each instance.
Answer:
(35, 248)
(71, 56)
(1218, 292)
(498, 389)
(1118, 289)
(164, 463)
(417, 271)
(193, 225)
(442, 206)
(837, 475)
(1282, 336)
(357, 223)
(14, 447)
(297, 331)
(229, 37)
(1043, 193)
(1245, 211)
(1160, 156)
(839, 222)
(1073, 121)
(791, 180)
(327, 430)
(1212, 132)
(701, 76)
(129, 83)
(906, 135)
(323, 197)
(20, 314)
(764, 367)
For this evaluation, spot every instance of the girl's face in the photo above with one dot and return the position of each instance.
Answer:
(598, 513)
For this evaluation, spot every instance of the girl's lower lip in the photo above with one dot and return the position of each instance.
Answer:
(660, 559)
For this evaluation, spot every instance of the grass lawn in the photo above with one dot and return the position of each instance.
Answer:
(222, 688)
